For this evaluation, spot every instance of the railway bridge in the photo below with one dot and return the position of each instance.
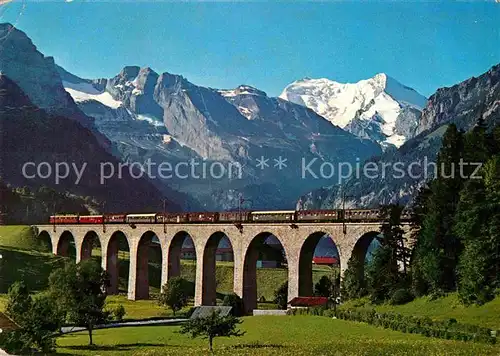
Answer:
(298, 240)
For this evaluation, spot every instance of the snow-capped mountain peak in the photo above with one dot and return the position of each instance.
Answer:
(379, 108)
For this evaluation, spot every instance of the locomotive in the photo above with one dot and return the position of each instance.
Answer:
(278, 216)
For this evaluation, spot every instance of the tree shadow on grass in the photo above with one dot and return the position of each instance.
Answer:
(117, 347)
(31, 267)
(258, 345)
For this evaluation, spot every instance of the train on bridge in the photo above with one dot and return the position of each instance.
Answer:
(280, 216)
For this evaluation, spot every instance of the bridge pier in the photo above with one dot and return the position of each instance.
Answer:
(110, 264)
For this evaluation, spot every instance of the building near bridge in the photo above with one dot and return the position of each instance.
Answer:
(308, 302)
(326, 261)
(223, 254)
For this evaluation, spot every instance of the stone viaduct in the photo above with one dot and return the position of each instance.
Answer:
(298, 240)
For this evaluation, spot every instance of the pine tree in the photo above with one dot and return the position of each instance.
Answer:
(387, 270)
(353, 282)
(478, 224)
(437, 248)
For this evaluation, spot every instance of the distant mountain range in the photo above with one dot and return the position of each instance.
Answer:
(140, 115)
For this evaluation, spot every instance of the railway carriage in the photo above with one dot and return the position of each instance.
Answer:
(91, 219)
(317, 215)
(115, 218)
(172, 218)
(273, 216)
(362, 214)
(234, 216)
(141, 218)
(64, 219)
(203, 217)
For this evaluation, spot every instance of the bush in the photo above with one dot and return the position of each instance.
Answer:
(119, 312)
(174, 294)
(233, 300)
(281, 296)
(401, 296)
(447, 329)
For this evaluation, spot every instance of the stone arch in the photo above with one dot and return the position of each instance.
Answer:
(175, 251)
(90, 241)
(66, 245)
(360, 250)
(209, 283)
(251, 256)
(306, 285)
(45, 241)
(149, 245)
(118, 241)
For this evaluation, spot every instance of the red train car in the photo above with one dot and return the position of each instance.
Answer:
(203, 217)
(115, 218)
(63, 219)
(91, 219)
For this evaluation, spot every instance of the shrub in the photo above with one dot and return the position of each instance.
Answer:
(233, 300)
(448, 329)
(281, 296)
(174, 294)
(119, 312)
(401, 296)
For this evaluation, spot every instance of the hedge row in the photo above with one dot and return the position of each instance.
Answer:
(449, 329)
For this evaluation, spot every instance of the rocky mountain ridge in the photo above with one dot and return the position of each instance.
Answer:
(462, 104)
(166, 118)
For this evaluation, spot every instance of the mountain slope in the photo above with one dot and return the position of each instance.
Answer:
(379, 108)
(30, 134)
(36, 75)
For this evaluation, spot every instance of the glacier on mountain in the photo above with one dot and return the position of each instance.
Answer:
(379, 108)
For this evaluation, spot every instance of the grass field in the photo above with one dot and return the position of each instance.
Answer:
(24, 258)
(271, 335)
(27, 259)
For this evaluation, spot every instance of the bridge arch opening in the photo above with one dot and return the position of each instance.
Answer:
(218, 250)
(91, 246)
(265, 251)
(362, 252)
(66, 245)
(44, 241)
(319, 257)
(182, 248)
(117, 262)
(149, 260)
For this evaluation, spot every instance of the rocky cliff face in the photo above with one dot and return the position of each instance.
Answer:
(36, 75)
(30, 134)
(462, 104)
(166, 118)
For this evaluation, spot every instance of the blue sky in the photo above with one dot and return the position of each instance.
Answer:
(269, 44)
